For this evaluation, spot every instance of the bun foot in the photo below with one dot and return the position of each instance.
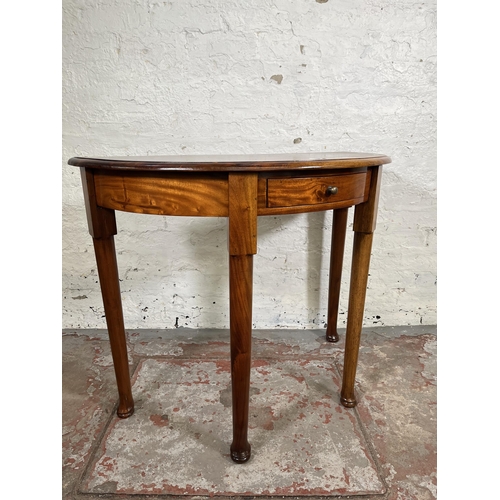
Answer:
(125, 413)
(348, 403)
(332, 337)
(241, 456)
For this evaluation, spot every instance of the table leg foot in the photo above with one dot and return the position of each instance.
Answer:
(348, 402)
(241, 456)
(125, 413)
(332, 337)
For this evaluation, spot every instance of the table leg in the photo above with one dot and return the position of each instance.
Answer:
(240, 290)
(357, 293)
(339, 226)
(102, 227)
(365, 217)
(242, 245)
(110, 289)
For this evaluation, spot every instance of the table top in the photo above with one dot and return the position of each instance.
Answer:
(231, 163)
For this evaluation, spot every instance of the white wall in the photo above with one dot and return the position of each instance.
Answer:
(240, 76)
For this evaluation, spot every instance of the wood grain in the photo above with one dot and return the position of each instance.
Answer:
(110, 288)
(242, 243)
(357, 292)
(242, 234)
(153, 193)
(102, 227)
(101, 221)
(299, 191)
(365, 215)
(240, 312)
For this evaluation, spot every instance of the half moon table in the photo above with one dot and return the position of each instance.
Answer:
(241, 188)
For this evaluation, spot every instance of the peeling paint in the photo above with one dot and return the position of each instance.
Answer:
(277, 78)
(198, 73)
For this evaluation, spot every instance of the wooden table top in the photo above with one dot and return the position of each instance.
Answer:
(231, 163)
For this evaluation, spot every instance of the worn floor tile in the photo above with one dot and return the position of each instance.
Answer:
(177, 442)
(397, 392)
(396, 387)
(89, 394)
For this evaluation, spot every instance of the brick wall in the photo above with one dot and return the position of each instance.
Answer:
(234, 76)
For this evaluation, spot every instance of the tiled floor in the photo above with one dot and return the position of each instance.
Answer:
(304, 443)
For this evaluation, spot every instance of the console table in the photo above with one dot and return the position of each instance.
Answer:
(241, 188)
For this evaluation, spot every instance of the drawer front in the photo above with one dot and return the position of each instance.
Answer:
(328, 189)
(160, 194)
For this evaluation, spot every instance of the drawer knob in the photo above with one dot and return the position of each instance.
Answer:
(331, 190)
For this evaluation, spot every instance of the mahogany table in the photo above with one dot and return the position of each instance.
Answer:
(240, 187)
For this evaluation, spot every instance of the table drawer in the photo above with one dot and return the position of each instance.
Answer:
(176, 193)
(318, 190)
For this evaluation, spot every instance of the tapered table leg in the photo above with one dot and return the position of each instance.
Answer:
(339, 226)
(110, 289)
(102, 227)
(357, 293)
(242, 245)
(365, 218)
(240, 290)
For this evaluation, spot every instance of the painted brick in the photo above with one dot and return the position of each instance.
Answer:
(212, 76)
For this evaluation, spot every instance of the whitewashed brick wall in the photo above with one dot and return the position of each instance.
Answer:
(238, 76)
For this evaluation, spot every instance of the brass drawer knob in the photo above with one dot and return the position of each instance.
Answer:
(331, 190)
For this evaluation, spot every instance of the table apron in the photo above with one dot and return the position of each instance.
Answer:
(207, 194)
(159, 194)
